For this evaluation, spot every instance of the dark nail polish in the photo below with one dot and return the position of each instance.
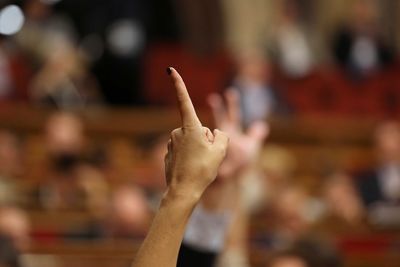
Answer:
(169, 71)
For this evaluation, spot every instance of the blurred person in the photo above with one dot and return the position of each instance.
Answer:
(130, 213)
(343, 201)
(75, 185)
(64, 139)
(253, 82)
(258, 185)
(15, 224)
(278, 164)
(64, 80)
(191, 164)
(91, 181)
(124, 215)
(290, 215)
(292, 42)
(295, 212)
(61, 73)
(217, 229)
(71, 181)
(42, 30)
(379, 187)
(358, 45)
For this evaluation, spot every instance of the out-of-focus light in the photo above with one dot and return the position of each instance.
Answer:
(50, 2)
(125, 38)
(11, 20)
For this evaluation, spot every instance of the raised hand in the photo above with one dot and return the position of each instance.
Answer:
(192, 162)
(243, 145)
(194, 152)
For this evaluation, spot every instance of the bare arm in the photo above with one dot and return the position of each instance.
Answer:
(192, 162)
(243, 149)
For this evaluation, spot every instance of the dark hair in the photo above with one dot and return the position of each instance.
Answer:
(318, 253)
(313, 252)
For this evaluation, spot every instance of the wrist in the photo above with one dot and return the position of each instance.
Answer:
(181, 197)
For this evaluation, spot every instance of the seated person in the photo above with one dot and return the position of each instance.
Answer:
(359, 45)
(379, 187)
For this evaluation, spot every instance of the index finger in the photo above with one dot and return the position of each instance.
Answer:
(186, 108)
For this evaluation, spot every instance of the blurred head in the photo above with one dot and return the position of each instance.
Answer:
(363, 14)
(278, 164)
(14, 223)
(64, 138)
(253, 67)
(92, 182)
(387, 141)
(342, 198)
(37, 10)
(291, 212)
(290, 10)
(129, 211)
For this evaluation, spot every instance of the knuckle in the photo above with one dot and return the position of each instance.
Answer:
(176, 133)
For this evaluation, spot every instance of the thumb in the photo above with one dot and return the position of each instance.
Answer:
(220, 144)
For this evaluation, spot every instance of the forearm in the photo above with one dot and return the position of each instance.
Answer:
(161, 246)
(191, 164)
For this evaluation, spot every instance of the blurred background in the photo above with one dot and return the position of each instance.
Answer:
(86, 108)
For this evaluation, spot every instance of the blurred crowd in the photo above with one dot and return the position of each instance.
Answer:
(80, 53)
(77, 54)
(60, 185)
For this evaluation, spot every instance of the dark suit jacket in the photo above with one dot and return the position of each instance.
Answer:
(369, 187)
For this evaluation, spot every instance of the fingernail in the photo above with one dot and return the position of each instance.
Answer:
(169, 71)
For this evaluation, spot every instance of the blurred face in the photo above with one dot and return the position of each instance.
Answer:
(291, 10)
(64, 133)
(387, 139)
(364, 15)
(254, 67)
(288, 261)
(130, 211)
(343, 200)
(15, 224)
(290, 208)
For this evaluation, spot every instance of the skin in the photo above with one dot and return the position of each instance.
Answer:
(194, 156)
(244, 146)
